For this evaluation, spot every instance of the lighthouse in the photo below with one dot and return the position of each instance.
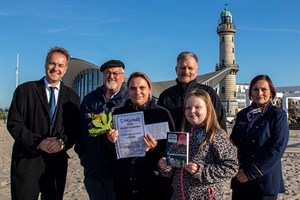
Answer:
(227, 87)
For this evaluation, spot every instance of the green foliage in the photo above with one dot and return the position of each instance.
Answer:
(100, 124)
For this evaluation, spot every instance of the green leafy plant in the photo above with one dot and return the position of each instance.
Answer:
(101, 123)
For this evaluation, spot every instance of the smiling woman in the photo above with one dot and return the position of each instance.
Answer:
(137, 177)
(139, 88)
(261, 135)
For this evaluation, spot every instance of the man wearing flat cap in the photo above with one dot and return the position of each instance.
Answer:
(97, 153)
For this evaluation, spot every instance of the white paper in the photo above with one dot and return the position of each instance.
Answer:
(158, 130)
(131, 128)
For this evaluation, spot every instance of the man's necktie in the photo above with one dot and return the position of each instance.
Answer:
(52, 102)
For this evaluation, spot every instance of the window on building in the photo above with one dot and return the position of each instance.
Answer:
(223, 89)
(241, 105)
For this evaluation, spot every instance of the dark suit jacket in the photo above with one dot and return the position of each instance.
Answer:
(29, 118)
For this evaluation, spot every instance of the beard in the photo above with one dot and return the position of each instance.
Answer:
(111, 85)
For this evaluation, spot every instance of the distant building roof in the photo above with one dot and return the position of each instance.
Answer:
(75, 67)
(291, 89)
(211, 79)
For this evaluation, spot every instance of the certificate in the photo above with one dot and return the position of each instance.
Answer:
(158, 130)
(131, 128)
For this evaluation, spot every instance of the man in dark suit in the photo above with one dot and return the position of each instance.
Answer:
(39, 159)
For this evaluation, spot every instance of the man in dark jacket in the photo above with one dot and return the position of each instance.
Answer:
(97, 154)
(173, 97)
(39, 159)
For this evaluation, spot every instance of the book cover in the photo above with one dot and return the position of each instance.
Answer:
(177, 152)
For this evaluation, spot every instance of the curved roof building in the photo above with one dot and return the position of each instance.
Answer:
(82, 76)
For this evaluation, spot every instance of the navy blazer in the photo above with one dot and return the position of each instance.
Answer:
(260, 149)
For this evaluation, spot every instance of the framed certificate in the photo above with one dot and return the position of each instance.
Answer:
(131, 128)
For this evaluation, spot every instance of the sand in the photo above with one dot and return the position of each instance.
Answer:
(75, 189)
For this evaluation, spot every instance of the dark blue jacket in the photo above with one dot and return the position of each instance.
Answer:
(98, 153)
(260, 149)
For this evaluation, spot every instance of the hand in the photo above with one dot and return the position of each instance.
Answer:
(150, 142)
(192, 168)
(51, 145)
(55, 145)
(162, 163)
(241, 176)
(112, 135)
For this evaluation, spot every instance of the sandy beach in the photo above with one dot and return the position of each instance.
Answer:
(75, 189)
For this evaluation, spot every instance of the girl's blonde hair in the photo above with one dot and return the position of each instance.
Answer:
(211, 121)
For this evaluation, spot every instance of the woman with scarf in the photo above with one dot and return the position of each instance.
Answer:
(137, 178)
(261, 134)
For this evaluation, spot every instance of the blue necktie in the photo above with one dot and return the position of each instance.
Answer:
(52, 102)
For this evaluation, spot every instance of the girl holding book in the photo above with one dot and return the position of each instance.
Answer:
(212, 156)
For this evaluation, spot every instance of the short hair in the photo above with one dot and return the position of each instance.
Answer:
(266, 78)
(143, 76)
(211, 124)
(186, 54)
(58, 50)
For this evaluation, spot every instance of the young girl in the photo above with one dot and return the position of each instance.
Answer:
(212, 157)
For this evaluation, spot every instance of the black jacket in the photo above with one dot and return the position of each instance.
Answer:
(29, 123)
(97, 153)
(134, 178)
(173, 97)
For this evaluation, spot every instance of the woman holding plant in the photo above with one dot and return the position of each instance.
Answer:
(137, 177)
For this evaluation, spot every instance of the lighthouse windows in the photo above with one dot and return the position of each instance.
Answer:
(232, 50)
(223, 89)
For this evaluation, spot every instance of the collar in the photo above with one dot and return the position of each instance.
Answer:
(47, 84)
(188, 86)
(264, 109)
(120, 93)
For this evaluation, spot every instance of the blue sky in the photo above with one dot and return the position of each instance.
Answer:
(148, 35)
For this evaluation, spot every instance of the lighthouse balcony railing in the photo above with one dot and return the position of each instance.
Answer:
(219, 67)
(226, 27)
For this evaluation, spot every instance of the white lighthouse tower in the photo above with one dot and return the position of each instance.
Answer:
(227, 87)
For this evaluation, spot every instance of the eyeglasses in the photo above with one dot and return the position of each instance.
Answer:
(107, 74)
